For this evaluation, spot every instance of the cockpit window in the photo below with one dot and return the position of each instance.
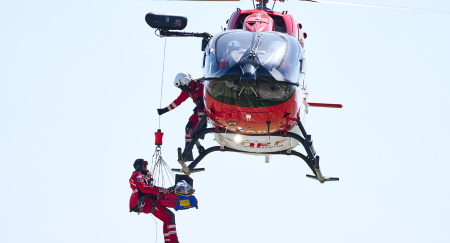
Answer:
(231, 48)
(270, 54)
(271, 51)
(253, 69)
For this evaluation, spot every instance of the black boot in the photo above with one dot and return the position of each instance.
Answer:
(190, 157)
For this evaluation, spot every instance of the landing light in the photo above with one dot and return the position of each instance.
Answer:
(232, 123)
(237, 138)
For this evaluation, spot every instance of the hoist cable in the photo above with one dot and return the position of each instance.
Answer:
(156, 166)
(162, 174)
(156, 226)
(162, 80)
(168, 172)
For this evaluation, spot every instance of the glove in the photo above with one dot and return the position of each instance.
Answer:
(162, 111)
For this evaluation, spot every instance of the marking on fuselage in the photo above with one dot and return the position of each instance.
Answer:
(259, 145)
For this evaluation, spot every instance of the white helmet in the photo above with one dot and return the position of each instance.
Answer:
(182, 79)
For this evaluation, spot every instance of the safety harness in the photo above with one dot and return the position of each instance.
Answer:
(142, 196)
(198, 99)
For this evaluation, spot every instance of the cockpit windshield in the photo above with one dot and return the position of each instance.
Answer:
(272, 55)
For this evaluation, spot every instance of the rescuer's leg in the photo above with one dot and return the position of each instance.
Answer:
(195, 120)
(200, 114)
(188, 136)
(168, 219)
(169, 200)
(190, 157)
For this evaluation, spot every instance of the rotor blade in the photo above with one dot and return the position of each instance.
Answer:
(379, 6)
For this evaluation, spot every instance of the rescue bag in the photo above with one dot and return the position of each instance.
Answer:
(186, 202)
(184, 190)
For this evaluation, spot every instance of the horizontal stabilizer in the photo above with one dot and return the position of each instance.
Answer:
(325, 178)
(326, 105)
(191, 171)
(197, 170)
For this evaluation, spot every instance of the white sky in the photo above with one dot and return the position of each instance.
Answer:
(80, 84)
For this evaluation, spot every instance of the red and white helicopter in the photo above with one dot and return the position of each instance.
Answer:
(255, 93)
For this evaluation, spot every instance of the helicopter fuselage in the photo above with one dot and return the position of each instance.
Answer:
(255, 94)
(257, 81)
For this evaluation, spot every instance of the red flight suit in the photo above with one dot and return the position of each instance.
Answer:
(141, 186)
(195, 91)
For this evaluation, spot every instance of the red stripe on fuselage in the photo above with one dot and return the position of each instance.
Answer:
(249, 120)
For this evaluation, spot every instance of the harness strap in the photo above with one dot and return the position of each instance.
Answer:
(153, 206)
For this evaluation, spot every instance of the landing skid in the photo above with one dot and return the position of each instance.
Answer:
(311, 159)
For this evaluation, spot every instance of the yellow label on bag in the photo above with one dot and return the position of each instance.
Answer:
(184, 203)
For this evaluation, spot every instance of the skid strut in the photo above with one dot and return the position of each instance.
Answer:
(311, 159)
(316, 170)
(184, 169)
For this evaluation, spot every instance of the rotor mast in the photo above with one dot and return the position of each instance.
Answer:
(262, 4)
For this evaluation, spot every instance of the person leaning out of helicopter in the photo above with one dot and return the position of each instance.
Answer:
(193, 89)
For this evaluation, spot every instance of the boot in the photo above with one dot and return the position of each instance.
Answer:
(190, 157)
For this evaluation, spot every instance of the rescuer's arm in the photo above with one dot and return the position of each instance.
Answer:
(181, 98)
(144, 188)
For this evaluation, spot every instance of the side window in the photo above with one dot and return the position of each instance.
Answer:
(302, 73)
(205, 53)
(204, 59)
(302, 66)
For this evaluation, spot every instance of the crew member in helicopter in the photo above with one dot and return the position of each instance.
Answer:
(231, 56)
(145, 199)
(194, 89)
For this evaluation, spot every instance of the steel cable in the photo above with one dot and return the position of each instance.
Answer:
(162, 81)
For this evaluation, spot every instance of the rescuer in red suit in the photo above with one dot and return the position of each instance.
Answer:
(145, 199)
(194, 89)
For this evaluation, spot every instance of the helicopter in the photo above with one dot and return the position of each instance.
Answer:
(255, 95)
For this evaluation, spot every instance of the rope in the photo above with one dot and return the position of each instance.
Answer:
(162, 81)
(157, 158)
(162, 174)
(156, 228)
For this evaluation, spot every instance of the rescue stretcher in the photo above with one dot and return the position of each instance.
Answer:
(182, 196)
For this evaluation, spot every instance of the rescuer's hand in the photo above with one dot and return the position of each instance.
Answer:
(164, 190)
(162, 111)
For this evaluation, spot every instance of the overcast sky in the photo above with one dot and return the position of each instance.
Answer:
(80, 83)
